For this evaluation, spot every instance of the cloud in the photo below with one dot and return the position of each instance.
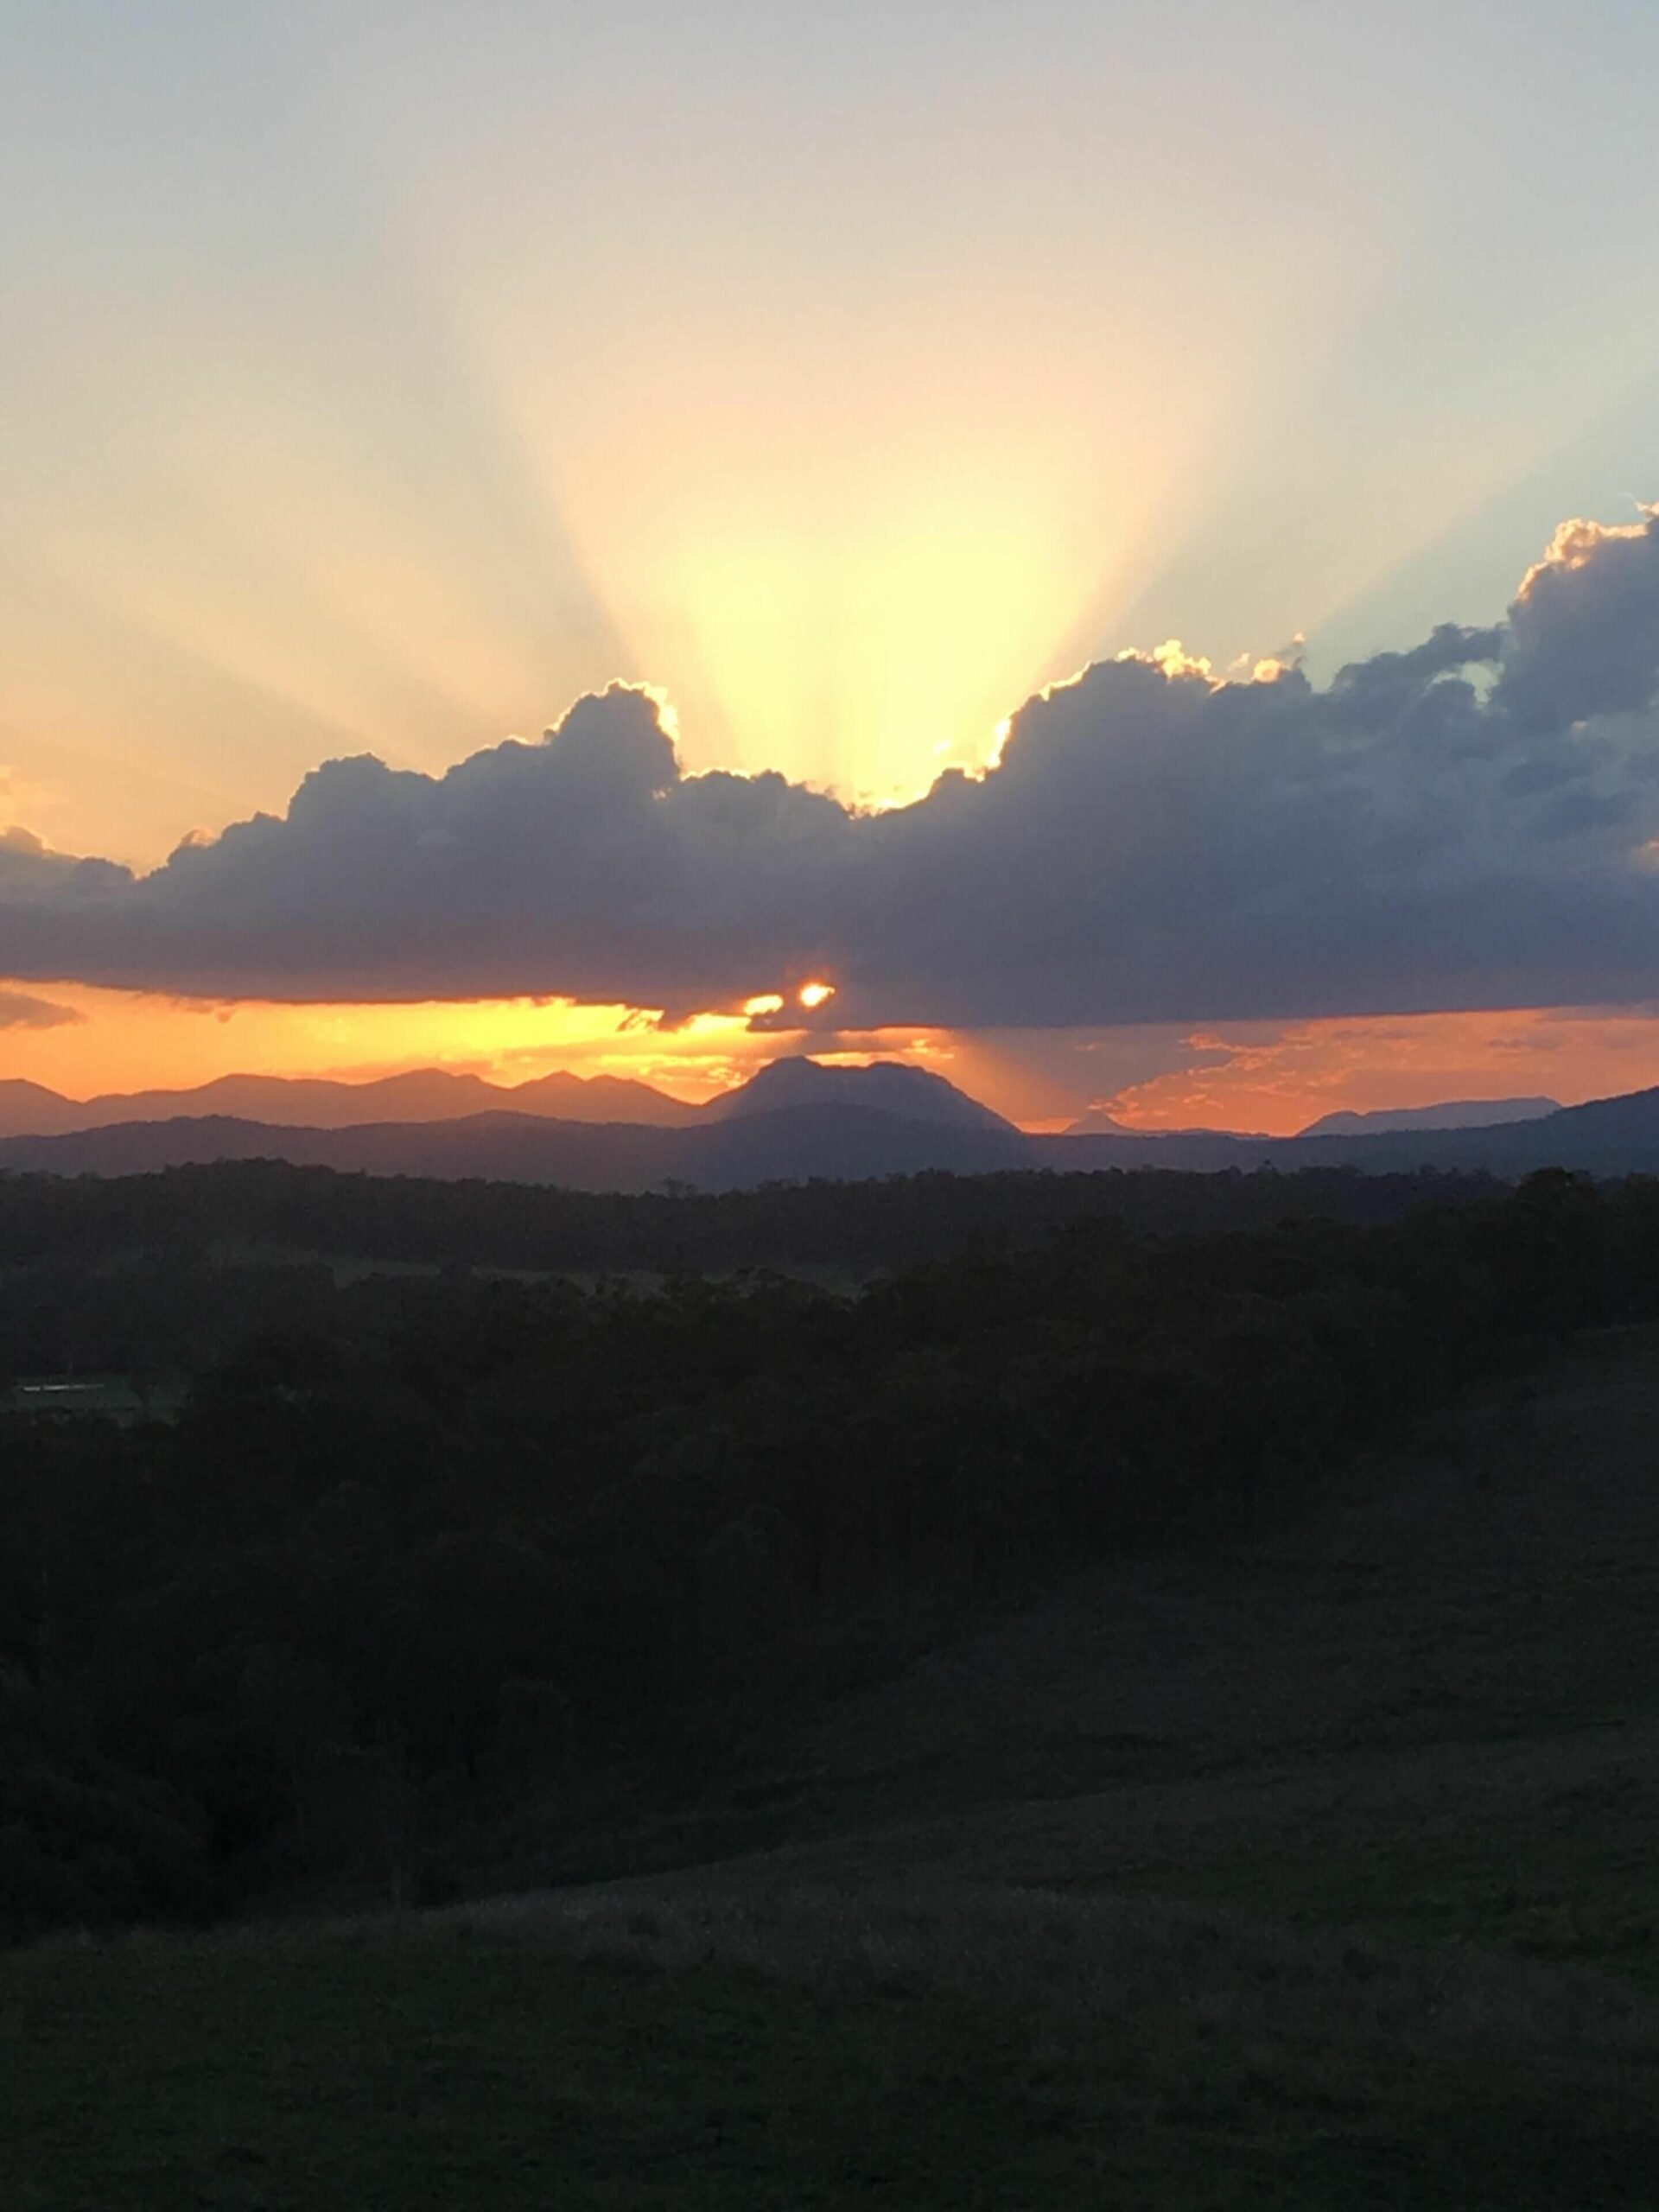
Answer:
(1583, 636)
(19, 1011)
(1472, 822)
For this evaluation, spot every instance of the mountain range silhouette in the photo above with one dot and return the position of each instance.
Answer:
(796, 1119)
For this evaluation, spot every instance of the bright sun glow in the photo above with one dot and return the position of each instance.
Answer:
(815, 994)
(119, 1040)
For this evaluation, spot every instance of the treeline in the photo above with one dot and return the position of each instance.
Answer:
(424, 1551)
(206, 1212)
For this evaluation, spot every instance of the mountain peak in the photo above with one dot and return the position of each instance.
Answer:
(1097, 1122)
(909, 1094)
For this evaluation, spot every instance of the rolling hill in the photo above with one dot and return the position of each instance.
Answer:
(30, 1109)
(1311, 1869)
(1449, 1113)
(847, 1143)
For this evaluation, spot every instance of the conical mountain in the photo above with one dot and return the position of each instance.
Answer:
(909, 1094)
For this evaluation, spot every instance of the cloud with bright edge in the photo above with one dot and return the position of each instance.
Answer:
(1472, 822)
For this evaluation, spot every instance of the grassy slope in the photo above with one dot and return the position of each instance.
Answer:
(1266, 1880)
(1431, 1706)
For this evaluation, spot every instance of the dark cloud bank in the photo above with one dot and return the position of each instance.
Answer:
(1464, 824)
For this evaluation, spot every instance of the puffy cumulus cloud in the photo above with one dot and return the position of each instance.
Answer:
(1584, 630)
(589, 856)
(1470, 822)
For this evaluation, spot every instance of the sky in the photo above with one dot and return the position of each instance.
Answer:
(384, 385)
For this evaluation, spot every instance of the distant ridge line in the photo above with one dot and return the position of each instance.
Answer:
(844, 1142)
(1449, 1113)
(432, 1095)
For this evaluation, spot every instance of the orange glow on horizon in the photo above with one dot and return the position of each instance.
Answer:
(1274, 1078)
(1270, 1078)
(120, 1041)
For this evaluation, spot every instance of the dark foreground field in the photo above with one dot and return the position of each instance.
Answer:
(1316, 1874)
(1174, 2060)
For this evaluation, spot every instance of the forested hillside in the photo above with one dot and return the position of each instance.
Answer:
(220, 1214)
(421, 1551)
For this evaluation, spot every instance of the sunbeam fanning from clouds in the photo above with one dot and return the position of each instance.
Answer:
(1465, 823)
(378, 380)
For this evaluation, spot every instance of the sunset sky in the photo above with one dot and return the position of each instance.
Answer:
(812, 394)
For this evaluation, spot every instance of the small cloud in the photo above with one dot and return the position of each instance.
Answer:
(1172, 657)
(19, 1011)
